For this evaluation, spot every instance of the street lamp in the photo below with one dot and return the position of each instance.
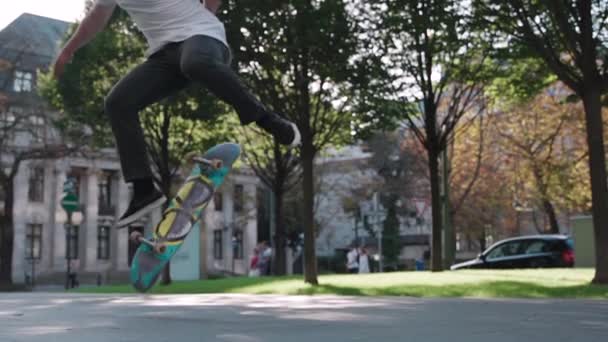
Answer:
(71, 222)
(377, 215)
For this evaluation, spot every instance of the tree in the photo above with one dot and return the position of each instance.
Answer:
(481, 195)
(570, 37)
(542, 139)
(298, 52)
(436, 70)
(277, 168)
(173, 128)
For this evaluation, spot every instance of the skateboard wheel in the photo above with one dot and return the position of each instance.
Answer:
(160, 248)
(135, 236)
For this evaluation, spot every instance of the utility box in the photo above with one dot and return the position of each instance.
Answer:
(584, 241)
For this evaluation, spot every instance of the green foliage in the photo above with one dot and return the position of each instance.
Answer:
(518, 81)
(295, 55)
(433, 63)
(569, 36)
(544, 283)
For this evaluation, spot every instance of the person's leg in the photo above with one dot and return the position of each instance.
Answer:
(147, 83)
(207, 60)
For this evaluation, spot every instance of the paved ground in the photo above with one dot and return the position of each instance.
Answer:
(245, 318)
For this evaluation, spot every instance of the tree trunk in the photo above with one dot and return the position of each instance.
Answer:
(436, 248)
(539, 229)
(310, 267)
(550, 212)
(166, 189)
(280, 266)
(481, 238)
(7, 238)
(548, 207)
(599, 186)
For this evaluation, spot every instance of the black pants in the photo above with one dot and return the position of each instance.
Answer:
(200, 58)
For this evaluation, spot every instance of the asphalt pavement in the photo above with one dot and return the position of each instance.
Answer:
(252, 318)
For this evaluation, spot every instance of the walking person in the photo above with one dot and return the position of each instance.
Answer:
(363, 261)
(352, 260)
(254, 270)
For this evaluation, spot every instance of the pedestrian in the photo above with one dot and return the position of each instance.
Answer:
(352, 260)
(254, 270)
(265, 255)
(187, 43)
(363, 261)
(73, 275)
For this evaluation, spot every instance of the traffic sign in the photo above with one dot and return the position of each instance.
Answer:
(69, 202)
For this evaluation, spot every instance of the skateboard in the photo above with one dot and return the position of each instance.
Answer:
(185, 209)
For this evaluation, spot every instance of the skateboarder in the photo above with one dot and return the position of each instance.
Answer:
(187, 43)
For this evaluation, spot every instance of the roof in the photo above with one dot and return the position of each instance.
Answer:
(538, 237)
(34, 34)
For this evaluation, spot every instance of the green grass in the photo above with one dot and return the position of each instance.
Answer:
(545, 283)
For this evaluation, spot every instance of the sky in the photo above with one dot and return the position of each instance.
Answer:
(67, 10)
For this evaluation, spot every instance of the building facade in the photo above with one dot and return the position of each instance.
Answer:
(342, 174)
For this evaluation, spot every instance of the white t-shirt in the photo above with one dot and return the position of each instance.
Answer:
(351, 259)
(167, 21)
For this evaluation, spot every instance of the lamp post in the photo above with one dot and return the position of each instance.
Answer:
(378, 215)
(71, 219)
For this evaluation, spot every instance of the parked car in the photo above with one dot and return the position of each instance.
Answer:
(533, 251)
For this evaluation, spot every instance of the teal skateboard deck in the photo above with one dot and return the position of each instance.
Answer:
(182, 214)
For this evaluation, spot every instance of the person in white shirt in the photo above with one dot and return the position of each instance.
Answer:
(352, 260)
(187, 43)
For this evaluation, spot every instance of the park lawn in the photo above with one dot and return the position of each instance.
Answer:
(537, 283)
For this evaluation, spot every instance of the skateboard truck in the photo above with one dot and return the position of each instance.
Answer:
(158, 247)
(214, 163)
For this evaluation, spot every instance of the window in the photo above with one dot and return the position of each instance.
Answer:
(103, 242)
(218, 201)
(36, 185)
(536, 247)
(22, 81)
(9, 123)
(7, 118)
(71, 247)
(217, 244)
(237, 245)
(238, 198)
(33, 241)
(37, 128)
(505, 250)
(105, 193)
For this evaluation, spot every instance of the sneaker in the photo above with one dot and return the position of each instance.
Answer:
(285, 131)
(140, 206)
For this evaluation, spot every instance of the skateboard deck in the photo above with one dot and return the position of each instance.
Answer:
(181, 215)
